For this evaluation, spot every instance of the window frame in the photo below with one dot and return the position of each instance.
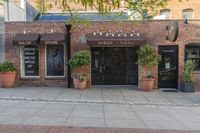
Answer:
(193, 46)
(188, 10)
(64, 74)
(22, 67)
(166, 10)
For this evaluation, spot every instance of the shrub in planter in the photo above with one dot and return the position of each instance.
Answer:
(80, 59)
(148, 58)
(7, 74)
(188, 84)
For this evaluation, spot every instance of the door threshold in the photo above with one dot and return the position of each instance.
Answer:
(116, 86)
(168, 89)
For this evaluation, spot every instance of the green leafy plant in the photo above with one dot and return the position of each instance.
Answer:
(148, 58)
(7, 66)
(80, 76)
(188, 71)
(81, 58)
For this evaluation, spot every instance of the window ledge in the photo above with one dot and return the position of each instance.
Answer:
(197, 72)
(30, 77)
(55, 77)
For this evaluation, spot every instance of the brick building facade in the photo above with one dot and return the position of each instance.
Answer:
(154, 32)
(174, 9)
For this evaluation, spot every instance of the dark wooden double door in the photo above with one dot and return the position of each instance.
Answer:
(114, 66)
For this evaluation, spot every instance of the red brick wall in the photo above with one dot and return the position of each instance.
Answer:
(13, 51)
(155, 31)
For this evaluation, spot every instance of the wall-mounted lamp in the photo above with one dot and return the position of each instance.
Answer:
(185, 21)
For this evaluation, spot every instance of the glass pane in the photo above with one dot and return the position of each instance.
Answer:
(165, 12)
(31, 60)
(193, 53)
(187, 14)
(55, 60)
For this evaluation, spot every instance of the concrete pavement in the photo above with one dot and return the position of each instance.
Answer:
(118, 107)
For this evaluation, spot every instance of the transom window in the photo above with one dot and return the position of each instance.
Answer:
(187, 13)
(166, 13)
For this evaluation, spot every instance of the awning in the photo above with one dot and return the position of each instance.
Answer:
(26, 39)
(99, 39)
(53, 39)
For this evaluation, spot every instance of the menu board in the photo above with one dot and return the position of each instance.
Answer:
(31, 59)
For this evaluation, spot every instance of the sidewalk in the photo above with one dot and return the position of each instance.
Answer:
(101, 94)
(106, 107)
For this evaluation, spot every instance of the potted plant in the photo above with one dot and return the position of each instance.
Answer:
(7, 74)
(188, 75)
(148, 58)
(77, 62)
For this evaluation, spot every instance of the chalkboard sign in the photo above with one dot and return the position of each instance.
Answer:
(31, 61)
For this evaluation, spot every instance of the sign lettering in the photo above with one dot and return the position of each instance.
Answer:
(31, 60)
(115, 42)
(50, 42)
(24, 42)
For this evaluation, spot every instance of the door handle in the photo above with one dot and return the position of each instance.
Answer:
(104, 67)
(100, 69)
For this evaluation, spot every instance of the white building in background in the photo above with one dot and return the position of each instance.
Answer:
(22, 12)
(9, 11)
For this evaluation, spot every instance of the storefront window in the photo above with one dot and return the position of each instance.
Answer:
(30, 61)
(193, 52)
(55, 60)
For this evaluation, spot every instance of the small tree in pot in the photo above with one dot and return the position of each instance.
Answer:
(80, 59)
(7, 74)
(188, 84)
(148, 58)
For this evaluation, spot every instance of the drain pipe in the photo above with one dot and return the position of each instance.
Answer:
(68, 41)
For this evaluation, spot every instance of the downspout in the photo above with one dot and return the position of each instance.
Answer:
(68, 41)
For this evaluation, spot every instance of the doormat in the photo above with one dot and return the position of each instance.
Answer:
(169, 90)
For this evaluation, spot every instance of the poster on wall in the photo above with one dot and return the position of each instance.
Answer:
(31, 61)
(55, 60)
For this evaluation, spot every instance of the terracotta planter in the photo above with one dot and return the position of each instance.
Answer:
(78, 84)
(7, 79)
(147, 84)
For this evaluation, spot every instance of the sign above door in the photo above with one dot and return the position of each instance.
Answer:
(119, 39)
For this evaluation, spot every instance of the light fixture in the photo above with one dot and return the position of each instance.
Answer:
(185, 21)
(24, 32)
(94, 33)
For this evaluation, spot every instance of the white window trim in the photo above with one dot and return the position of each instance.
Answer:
(46, 63)
(22, 71)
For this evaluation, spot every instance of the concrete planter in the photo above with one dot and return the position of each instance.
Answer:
(187, 87)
